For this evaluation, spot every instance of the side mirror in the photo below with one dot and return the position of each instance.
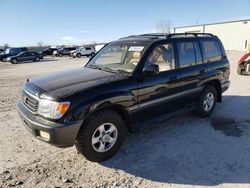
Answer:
(151, 69)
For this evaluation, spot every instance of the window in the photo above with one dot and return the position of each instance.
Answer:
(88, 48)
(163, 56)
(186, 52)
(211, 50)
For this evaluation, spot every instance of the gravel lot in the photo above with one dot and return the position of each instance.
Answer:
(183, 152)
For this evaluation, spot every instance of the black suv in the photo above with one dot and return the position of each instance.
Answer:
(11, 52)
(64, 51)
(49, 51)
(131, 82)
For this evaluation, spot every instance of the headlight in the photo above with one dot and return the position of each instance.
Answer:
(52, 109)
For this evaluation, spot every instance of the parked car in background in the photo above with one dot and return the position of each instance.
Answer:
(25, 56)
(244, 65)
(64, 51)
(1, 50)
(48, 51)
(11, 52)
(83, 51)
(131, 82)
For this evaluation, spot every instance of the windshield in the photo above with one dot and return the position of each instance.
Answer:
(118, 57)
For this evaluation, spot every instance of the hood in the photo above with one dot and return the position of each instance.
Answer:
(65, 83)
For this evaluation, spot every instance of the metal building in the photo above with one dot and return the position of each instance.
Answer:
(235, 35)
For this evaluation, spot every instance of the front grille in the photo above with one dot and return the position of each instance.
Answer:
(30, 101)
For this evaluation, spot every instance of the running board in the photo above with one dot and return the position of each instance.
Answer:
(150, 123)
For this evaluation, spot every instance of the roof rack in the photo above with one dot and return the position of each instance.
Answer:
(190, 34)
(168, 36)
(148, 35)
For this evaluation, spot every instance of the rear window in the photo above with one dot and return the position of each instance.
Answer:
(211, 50)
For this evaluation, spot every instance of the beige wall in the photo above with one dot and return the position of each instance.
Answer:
(233, 35)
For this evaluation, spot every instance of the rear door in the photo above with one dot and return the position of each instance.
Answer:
(190, 67)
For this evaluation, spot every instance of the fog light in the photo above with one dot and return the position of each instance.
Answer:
(45, 135)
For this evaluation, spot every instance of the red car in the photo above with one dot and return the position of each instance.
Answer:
(244, 64)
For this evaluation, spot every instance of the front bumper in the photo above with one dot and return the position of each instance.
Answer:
(60, 135)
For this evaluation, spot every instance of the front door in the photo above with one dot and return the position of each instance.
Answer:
(157, 94)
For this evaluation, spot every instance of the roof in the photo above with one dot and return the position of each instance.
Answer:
(216, 23)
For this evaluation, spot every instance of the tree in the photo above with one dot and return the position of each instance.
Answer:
(163, 26)
(40, 43)
(6, 46)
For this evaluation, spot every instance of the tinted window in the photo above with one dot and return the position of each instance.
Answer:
(88, 48)
(211, 50)
(163, 56)
(14, 51)
(186, 54)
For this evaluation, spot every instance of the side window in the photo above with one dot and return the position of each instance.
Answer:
(211, 50)
(88, 48)
(186, 52)
(163, 56)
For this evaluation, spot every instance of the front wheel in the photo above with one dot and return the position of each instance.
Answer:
(207, 102)
(92, 54)
(78, 55)
(101, 136)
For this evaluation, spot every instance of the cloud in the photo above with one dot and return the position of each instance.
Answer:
(68, 38)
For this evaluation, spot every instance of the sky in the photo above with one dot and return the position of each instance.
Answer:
(57, 22)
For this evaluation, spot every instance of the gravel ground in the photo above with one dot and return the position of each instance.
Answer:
(185, 151)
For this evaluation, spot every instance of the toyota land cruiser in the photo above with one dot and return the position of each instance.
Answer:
(130, 82)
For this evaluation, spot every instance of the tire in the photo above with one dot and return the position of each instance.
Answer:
(239, 71)
(92, 54)
(14, 61)
(37, 59)
(204, 108)
(90, 139)
(78, 55)
(60, 55)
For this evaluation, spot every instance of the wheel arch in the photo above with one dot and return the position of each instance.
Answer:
(217, 84)
(119, 109)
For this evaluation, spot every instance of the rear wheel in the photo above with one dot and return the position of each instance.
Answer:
(207, 102)
(14, 61)
(92, 54)
(102, 136)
